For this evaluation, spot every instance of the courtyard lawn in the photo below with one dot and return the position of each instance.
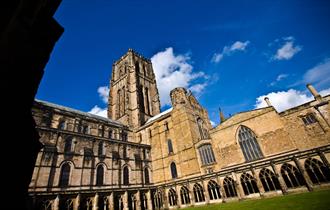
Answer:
(317, 200)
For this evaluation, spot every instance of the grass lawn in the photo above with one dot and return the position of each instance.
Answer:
(317, 200)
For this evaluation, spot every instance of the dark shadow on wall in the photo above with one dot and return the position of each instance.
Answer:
(28, 33)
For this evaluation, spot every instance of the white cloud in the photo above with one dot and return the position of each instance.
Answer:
(284, 100)
(175, 71)
(229, 50)
(213, 123)
(99, 111)
(279, 78)
(318, 75)
(104, 93)
(287, 50)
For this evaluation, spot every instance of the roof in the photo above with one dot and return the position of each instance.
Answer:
(159, 115)
(85, 114)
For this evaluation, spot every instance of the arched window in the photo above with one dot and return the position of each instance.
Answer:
(146, 176)
(141, 99)
(214, 190)
(249, 184)
(173, 171)
(110, 134)
(198, 193)
(65, 175)
(137, 67)
(229, 187)
(122, 101)
(158, 199)
(292, 176)
(147, 102)
(269, 180)
(101, 130)
(101, 148)
(126, 176)
(172, 197)
(61, 124)
(317, 171)
(169, 146)
(68, 145)
(118, 114)
(85, 129)
(249, 144)
(206, 154)
(184, 195)
(99, 175)
(46, 205)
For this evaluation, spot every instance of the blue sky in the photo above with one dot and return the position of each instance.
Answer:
(231, 54)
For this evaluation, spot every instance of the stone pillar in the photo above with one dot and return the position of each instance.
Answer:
(110, 200)
(56, 205)
(259, 184)
(206, 192)
(309, 183)
(280, 179)
(324, 159)
(76, 203)
(165, 199)
(138, 200)
(178, 198)
(149, 201)
(96, 202)
(191, 194)
(239, 189)
(222, 190)
(125, 200)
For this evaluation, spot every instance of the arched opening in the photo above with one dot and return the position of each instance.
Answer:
(202, 131)
(206, 154)
(158, 199)
(173, 171)
(101, 148)
(269, 180)
(184, 195)
(146, 176)
(172, 197)
(229, 187)
(291, 175)
(317, 171)
(214, 190)
(249, 144)
(65, 175)
(68, 145)
(147, 102)
(125, 176)
(169, 146)
(198, 193)
(99, 175)
(249, 184)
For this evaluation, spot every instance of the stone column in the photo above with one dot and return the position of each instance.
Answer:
(259, 184)
(56, 205)
(149, 201)
(178, 198)
(280, 179)
(222, 190)
(76, 203)
(191, 194)
(309, 183)
(239, 189)
(110, 200)
(138, 201)
(206, 192)
(125, 201)
(165, 198)
(96, 202)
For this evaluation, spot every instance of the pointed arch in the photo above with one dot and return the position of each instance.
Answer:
(213, 190)
(169, 146)
(146, 176)
(65, 175)
(291, 175)
(172, 197)
(174, 172)
(317, 171)
(249, 184)
(198, 193)
(68, 144)
(125, 175)
(184, 195)
(229, 187)
(99, 175)
(269, 180)
(248, 143)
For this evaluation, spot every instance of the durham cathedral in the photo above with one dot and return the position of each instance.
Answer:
(140, 158)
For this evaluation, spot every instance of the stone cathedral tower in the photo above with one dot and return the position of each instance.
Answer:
(133, 97)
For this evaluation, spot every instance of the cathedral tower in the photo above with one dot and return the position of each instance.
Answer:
(133, 97)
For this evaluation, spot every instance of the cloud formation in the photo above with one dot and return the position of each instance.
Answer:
(229, 50)
(283, 100)
(99, 111)
(175, 71)
(279, 78)
(287, 50)
(319, 75)
(104, 93)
